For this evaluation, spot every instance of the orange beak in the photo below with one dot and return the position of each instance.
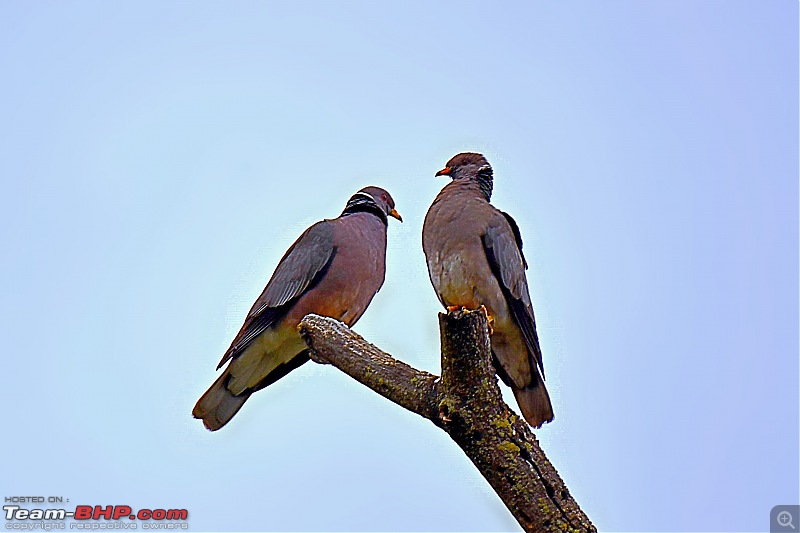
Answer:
(395, 214)
(444, 172)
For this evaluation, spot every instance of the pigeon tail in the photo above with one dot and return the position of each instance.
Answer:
(534, 402)
(218, 405)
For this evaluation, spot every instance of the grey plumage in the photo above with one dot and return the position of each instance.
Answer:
(299, 268)
(334, 269)
(474, 256)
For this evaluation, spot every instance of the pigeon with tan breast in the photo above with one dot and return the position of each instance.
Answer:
(474, 255)
(334, 269)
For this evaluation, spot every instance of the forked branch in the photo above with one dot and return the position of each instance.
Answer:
(467, 404)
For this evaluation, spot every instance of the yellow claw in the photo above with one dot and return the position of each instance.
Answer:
(489, 318)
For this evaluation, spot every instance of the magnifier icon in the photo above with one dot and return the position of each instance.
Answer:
(784, 519)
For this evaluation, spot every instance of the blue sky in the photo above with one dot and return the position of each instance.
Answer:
(158, 159)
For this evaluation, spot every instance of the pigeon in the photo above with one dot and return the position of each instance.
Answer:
(474, 256)
(333, 269)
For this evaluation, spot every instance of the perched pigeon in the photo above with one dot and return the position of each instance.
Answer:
(474, 254)
(334, 269)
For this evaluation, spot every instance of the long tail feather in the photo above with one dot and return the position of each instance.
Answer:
(534, 402)
(218, 405)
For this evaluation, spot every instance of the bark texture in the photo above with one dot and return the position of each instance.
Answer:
(467, 404)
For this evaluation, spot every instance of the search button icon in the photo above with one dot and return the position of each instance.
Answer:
(784, 518)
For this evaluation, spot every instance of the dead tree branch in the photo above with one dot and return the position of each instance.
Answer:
(466, 403)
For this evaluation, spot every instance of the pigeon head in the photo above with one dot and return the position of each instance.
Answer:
(372, 200)
(470, 166)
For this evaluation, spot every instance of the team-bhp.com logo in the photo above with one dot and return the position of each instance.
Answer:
(87, 517)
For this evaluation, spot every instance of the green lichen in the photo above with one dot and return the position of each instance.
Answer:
(508, 447)
(544, 508)
(501, 423)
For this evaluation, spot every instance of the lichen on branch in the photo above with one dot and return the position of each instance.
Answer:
(466, 403)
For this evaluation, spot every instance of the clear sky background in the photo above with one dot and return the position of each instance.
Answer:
(158, 158)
